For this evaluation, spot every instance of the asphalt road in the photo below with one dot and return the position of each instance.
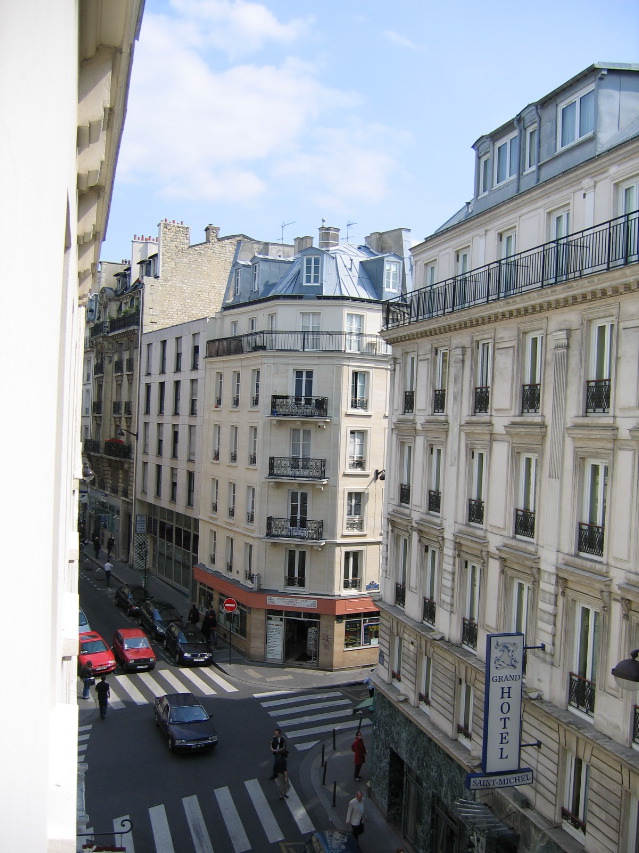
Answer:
(222, 801)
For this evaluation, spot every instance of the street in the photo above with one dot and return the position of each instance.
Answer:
(222, 800)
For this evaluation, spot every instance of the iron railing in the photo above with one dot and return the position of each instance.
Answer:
(356, 463)
(590, 539)
(400, 594)
(573, 820)
(98, 329)
(428, 611)
(117, 448)
(124, 321)
(299, 407)
(116, 407)
(213, 506)
(525, 523)
(530, 398)
(469, 633)
(91, 445)
(292, 341)
(98, 367)
(229, 566)
(231, 512)
(294, 528)
(635, 724)
(475, 511)
(355, 522)
(297, 467)
(581, 694)
(434, 500)
(597, 396)
(252, 458)
(610, 245)
(404, 493)
(96, 407)
(235, 401)
(128, 365)
(409, 402)
(128, 408)
(232, 457)
(352, 583)
(359, 403)
(482, 400)
(118, 365)
(295, 580)
(439, 401)
(255, 400)
(250, 517)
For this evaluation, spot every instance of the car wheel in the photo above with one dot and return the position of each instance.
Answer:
(178, 658)
(171, 744)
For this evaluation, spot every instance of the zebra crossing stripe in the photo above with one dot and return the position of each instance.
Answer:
(261, 806)
(152, 684)
(232, 820)
(340, 727)
(195, 820)
(315, 718)
(311, 706)
(130, 689)
(127, 837)
(160, 827)
(199, 682)
(298, 811)
(170, 677)
(212, 674)
(295, 700)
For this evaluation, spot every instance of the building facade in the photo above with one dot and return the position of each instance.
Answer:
(294, 437)
(512, 496)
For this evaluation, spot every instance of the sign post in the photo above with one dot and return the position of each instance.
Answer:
(230, 606)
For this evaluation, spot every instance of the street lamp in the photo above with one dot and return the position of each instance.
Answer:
(626, 673)
(122, 432)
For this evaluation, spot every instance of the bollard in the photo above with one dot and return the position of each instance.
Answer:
(334, 793)
(359, 728)
(323, 759)
(324, 774)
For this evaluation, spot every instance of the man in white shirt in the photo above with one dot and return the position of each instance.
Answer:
(356, 814)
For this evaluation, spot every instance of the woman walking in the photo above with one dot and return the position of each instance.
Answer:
(281, 777)
(359, 749)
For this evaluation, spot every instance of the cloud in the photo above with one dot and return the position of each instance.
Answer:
(400, 40)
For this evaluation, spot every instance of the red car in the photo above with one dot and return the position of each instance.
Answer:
(94, 649)
(132, 649)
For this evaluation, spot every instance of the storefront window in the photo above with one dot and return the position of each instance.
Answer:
(361, 631)
(238, 618)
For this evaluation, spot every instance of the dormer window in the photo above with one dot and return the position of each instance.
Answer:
(484, 174)
(236, 283)
(312, 269)
(256, 275)
(576, 118)
(532, 137)
(391, 275)
(506, 155)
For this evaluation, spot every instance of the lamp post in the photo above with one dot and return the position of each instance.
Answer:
(626, 673)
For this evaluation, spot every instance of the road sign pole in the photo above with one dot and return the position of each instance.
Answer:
(230, 636)
(230, 606)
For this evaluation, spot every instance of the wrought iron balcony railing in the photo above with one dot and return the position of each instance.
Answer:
(213, 506)
(469, 633)
(635, 724)
(299, 407)
(118, 365)
(125, 321)
(475, 511)
(597, 396)
(96, 407)
(354, 522)
(98, 329)
(116, 407)
(250, 517)
(252, 458)
(117, 448)
(530, 398)
(612, 244)
(284, 341)
(216, 455)
(356, 463)
(439, 401)
(352, 583)
(400, 594)
(409, 402)
(434, 500)
(229, 566)
(235, 401)
(525, 523)
(255, 400)
(92, 445)
(482, 400)
(218, 402)
(360, 403)
(573, 820)
(231, 512)
(428, 611)
(404, 493)
(232, 457)
(590, 539)
(297, 467)
(581, 694)
(98, 367)
(294, 528)
(295, 580)
(128, 365)
(128, 408)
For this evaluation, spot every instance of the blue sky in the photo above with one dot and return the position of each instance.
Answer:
(248, 115)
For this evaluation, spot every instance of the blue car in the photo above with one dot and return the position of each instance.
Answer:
(331, 841)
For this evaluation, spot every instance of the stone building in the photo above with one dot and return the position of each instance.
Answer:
(512, 498)
(293, 448)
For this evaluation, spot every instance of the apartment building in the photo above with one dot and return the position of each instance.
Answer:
(511, 501)
(293, 450)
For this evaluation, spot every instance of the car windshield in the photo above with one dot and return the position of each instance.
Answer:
(168, 614)
(136, 643)
(193, 637)
(138, 595)
(90, 647)
(188, 714)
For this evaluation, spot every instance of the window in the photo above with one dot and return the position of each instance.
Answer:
(231, 500)
(298, 510)
(162, 356)
(312, 269)
(359, 390)
(531, 387)
(272, 322)
(354, 516)
(402, 570)
(300, 448)
(592, 526)
(391, 275)
(252, 446)
(506, 157)
(532, 140)
(234, 328)
(233, 444)
(575, 808)
(193, 403)
(295, 568)
(303, 383)
(520, 605)
(195, 351)
(435, 480)
(354, 330)
(248, 561)
(158, 481)
(397, 644)
(212, 546)
(236, 282)
(484, 174)
(441, 380)
(405, 471)
(160, 440)
(145, 437)
(161, 392)
(147, 398)
(462, 265)
(431, 562)
(215, 493)
(476, 499)
(465, 719)
(425, 681)
(176, 397)
(192, 435)
(526, 503)
(598, 385)
(255, 279)
(409, 388)
(229, 553)
(361, 630)
(310, 328)
(190, 487)
(235, 386)
(149, 358)
(217, 435)
(430, 273)
(583, 678)
(174, 485)
(219, 384)
(252, 324)
(250, 504)
(178, 355)
(576, 118)
(353, 563)
(471, 606)
(483, 373)
(356, 450)
(255, 387)
(145, 477)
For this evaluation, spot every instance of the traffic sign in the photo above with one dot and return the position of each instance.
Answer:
(230, 604)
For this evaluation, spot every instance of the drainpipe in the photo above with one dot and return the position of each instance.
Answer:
(521, 152)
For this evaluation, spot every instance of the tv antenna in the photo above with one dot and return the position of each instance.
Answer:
(285, 225)
(349, 225)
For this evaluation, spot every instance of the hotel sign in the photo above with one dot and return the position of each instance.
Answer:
(299, 603)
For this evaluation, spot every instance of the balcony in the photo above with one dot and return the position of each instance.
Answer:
(128, 365)
(573, 820)
(118, 366)
(218, 402)
(213, 506)
(400, 594)
(98, 329)
(356, 463)
(409, 402)
(299, 407)
(235, 401)
(91, 445)
(286, 341)
(590, 539)
(482, 400)
(404, 493)
(428, 611)
(96, 407)
(229, 566)
(297, 468)
(252, 460)
(128, 408)
(115, 447)
(216, 455)
(249, 576)
(610, 245)
(231, 512)
(635, 724)
(530, 399)
(581, 694)
(255, 400)
(250, 517)
(352, 583)
(124, 321)
(439, 401)
(434, 501)
(597, 396)
(475, 511)
(294, 528)
(294, 580)
(469, 633)
(98, 368)
(355, 523)
(525, 523)
(232, 457)
(116, 407)
(360, 403)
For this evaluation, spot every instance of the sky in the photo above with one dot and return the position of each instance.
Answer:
(265, 118)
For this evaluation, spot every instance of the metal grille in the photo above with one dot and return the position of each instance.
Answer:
(298, 528)
(525, 523)
(530, 398)
(581, 694)
(434, 500)
(475, 511)
(400, 594)
(428, 611)
(597, 395)
(439, 401)
(299, 407)
(404, 493)
(300, 467)
(469, 633)
(590, 539)
(482, 399)
(409, 402)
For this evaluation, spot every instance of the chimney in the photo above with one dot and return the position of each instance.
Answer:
(211, 232)
(300, 243)
(328, 236)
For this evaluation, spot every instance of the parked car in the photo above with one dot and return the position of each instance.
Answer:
(331, 841)
(93, 648)
(187, 644)
(132, 648)
(185, 722)
(130, 597)
(83, 623)
(155, 616)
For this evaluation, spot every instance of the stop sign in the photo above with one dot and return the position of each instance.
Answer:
(230, 604)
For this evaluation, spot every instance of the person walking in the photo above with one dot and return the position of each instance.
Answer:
(104, 692)
(86, 674)
(108, 568)
(96, 546)
(110, 544)
(209, 626)
(356, 815)
(278, 746)
(281, 774)
(359, 749)
(368, 681)
(194, 614)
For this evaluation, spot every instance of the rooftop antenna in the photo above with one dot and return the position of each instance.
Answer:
(349, 225)
(284, 225)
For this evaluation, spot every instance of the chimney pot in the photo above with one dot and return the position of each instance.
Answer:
(328, 236)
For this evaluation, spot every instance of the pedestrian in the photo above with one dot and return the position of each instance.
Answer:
(213, 623)
(110, 544)
(209, 626)
(356, 814)
(194, 614)
(278, 746)
(104, 692)
(281, 774)
(108, 568)
(368, 681)
(86, 674)
(359, 749)
(96, 546)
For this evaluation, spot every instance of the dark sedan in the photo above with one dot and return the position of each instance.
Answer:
(187, 645)
(185, 722)
(130, 598)
(156, 616)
